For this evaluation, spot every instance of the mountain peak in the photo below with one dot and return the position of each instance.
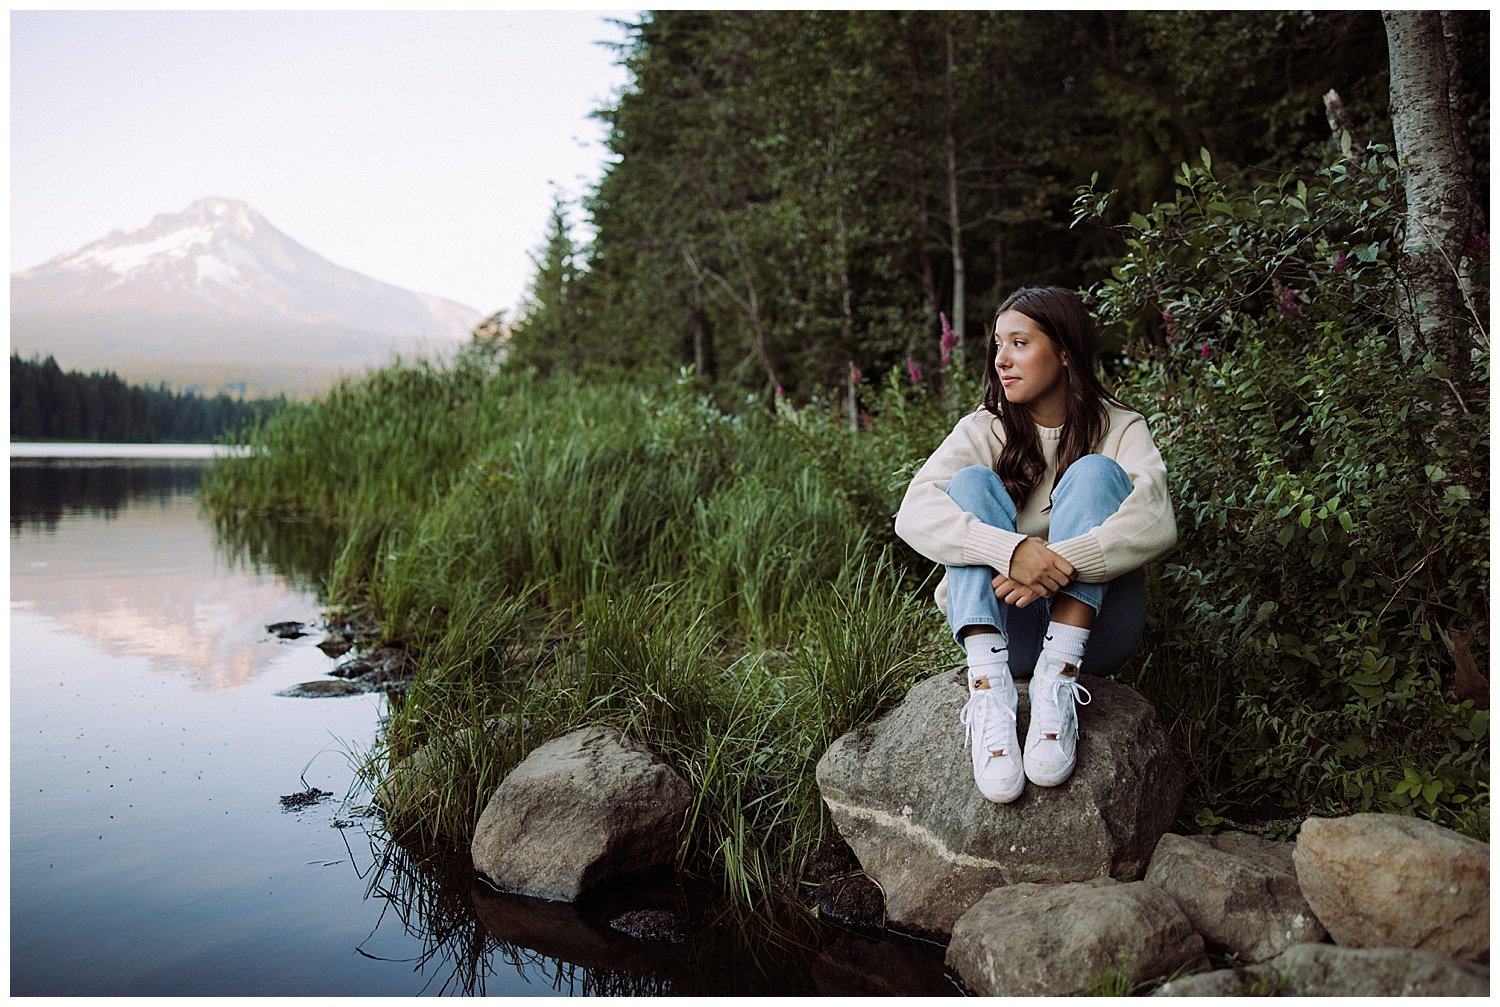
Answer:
(217, 265)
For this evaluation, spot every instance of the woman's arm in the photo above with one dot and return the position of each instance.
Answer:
(1143, 529)
(936, 527)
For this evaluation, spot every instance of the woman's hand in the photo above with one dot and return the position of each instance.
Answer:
(1035, 572)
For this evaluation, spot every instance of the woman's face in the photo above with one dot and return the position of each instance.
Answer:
(1032, 372)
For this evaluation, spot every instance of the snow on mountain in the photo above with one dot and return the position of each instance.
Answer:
(216, 295)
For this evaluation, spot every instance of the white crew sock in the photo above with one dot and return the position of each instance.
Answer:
(987, 653)
(1066, 643)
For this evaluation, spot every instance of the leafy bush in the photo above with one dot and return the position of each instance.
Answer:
(1333, 501)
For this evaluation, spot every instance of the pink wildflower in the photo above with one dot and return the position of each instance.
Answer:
(1342, 262)
(913, 371)
(946, 343)
(778, 391)
(1286, 298)
(1205, 351)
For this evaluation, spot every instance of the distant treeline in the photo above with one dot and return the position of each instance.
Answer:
(48, 403)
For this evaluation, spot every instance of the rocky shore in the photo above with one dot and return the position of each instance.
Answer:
(1072, 890)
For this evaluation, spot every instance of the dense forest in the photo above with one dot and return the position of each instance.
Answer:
(800, 200)
(48, 403)
(665, 501)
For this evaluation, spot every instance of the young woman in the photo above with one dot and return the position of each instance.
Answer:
(1044, 504)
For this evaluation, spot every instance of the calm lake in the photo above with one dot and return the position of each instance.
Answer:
(150, 851)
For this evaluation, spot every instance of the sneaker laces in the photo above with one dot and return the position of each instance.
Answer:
(1050, 716)
(978, 714)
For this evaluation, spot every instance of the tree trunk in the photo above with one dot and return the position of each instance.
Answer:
(704, 364)
(955, 220)
(1439, 197)
(846, 307)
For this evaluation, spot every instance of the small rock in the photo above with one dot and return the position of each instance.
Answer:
(322, 688)
(1239, 891)
(579, 811)
(1325, 970)
(1223, 983)
(1390, 881)
(286, 630)
(1065, 940)
(303, 799)
(336, 645)
(383, 666)
(854, 901)
(649, 925)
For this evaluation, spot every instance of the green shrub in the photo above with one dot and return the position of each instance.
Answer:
(1332, 497)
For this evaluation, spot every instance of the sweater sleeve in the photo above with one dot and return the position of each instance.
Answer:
(936, 527)
(1143, 529)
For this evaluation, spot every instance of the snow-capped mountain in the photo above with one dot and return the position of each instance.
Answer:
(215, 296)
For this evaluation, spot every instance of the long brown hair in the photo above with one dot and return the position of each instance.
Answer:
(1060, 314)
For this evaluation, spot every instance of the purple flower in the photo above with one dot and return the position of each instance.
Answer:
(946, 343)
(913, 372)
(1286, 298)
(1342, 262)
(1205, 351)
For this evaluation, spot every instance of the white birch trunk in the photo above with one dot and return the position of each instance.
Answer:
(1439, 200)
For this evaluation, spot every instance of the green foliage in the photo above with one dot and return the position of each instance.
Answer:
(559, 554)
(795, 191)
(1332, 501)
(553, 331)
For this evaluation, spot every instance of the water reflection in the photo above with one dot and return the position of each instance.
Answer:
(301, 552)
(471, 934)
(43, 490)
(117, 552)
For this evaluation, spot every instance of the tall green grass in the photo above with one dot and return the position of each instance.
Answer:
(558, 555)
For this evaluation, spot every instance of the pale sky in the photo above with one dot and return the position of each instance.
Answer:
(419, 148)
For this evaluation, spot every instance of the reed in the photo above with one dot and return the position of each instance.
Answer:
(558, 555)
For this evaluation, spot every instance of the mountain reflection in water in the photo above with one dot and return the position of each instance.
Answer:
(139, 579)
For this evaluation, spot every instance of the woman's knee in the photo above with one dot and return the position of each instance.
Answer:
(977, 484)
(1096, 470)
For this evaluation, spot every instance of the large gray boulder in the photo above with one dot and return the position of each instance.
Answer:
(1324, 970)
(1239, 891)
(578, 811)
(901, 792)
(1395, 882)
(1069, 940)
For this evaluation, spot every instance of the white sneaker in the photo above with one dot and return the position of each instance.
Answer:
(989, 719)
(1052, 737)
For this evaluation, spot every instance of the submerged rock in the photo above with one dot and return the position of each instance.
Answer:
(286, 630)
(383, 666)
(322, 688)
(901, 792)
(649, 925)
(336, 645)
(304, 798)
(578, 811)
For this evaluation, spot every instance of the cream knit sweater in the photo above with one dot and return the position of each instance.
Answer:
(1140, 531)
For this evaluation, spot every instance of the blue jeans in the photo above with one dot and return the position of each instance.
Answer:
(1090, 490)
